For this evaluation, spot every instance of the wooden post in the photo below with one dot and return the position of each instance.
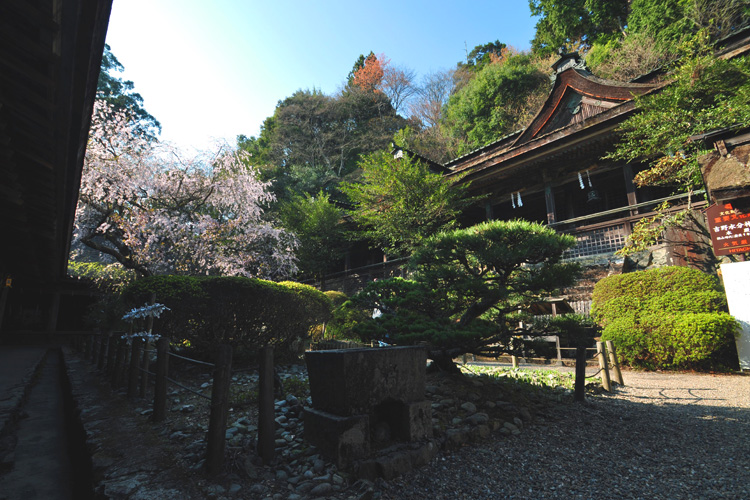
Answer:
(135, 357)
(615, 363)
(54, 311)
(602, 354)
(217, 421)
(89, 348)
(266, 431)
(150, 318)
(111, 353)
(514, 360)
(95, 345)
(549, 200)
(162, 368)
(145, 365)
(580, 383)
(103, 350)
(4, 298)
(559, 351)
(119, 362)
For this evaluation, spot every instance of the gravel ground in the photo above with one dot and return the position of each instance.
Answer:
(662, 436)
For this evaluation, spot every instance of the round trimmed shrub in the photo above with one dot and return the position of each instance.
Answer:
(667, 318)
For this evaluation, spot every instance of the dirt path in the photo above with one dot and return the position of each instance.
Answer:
(663, 436)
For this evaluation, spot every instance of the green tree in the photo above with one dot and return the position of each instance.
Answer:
(497, 101)
(469, 288)
(482, 55)
(313, 140)
(120, 95)
(318, 224)
(706, 93)
(564, 23)
(399, 202)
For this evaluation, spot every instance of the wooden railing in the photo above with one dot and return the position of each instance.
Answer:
(609, 236)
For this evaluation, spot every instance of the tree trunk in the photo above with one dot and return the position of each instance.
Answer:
(443, 361)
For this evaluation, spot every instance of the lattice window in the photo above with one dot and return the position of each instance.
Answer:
(598, 241)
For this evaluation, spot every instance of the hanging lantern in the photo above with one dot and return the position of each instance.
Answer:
(593, 196)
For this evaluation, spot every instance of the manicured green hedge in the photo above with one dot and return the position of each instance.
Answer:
(241, 311)
(670, 317)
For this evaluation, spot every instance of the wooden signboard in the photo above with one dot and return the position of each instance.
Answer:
(730, 229)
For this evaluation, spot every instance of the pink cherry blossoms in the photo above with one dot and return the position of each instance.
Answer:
(156, 212)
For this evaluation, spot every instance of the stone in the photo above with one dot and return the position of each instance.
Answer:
(394, 465)
(454, 438)
(478, 419)
(343, 438)
(396, 373)
(480, 432)
(518, 422)
(469, 407)
(318, 466)
(424, 454)
(308, 474)
(281, 475)
(234, 488)
(363, 489)
(217, 489)
(249, 468)
(525, 414)
(305, 487)
(257, 489)
(510, 427)
(321, 489)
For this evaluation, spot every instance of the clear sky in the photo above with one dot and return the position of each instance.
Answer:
(213, 69)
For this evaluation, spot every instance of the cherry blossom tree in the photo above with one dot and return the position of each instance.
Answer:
(156, 212)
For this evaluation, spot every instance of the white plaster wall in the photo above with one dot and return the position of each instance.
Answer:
(737, 285)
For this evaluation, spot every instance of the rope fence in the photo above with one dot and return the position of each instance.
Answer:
(125, 360)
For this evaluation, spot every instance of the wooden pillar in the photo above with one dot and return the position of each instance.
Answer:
(135, 357)
(103, 347)
(549, 199)
(54, 310)
(146, 366)
(489, 213)
(4, 299)
(603, 365)
(580, 382)
(614, 362)
(111, 353)
(120, 357)
(162, 368)
(627, 172)
(266, 430)
(150, 318)
(217, 420)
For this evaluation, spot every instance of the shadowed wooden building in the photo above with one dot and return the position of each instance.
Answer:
(50, 54)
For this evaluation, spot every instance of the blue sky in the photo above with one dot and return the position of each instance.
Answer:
(214, 69)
